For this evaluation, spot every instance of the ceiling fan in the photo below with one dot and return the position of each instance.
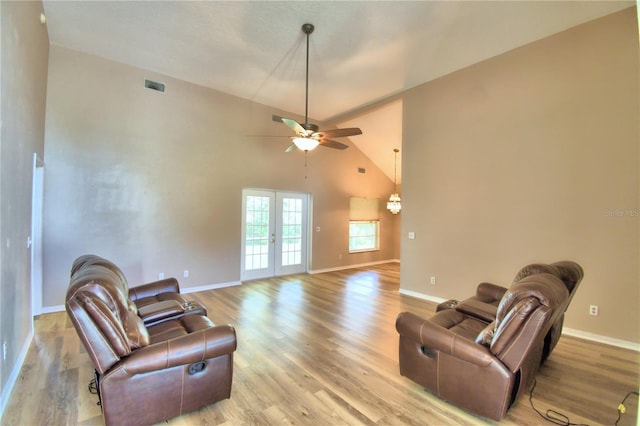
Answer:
(307, 134)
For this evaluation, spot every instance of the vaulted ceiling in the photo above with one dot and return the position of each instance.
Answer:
(361, 52)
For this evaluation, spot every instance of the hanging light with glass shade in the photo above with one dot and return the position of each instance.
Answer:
(394, 205)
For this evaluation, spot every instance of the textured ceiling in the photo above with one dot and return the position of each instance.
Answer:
(361, 51)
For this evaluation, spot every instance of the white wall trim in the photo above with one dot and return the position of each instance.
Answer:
(52, 309)
(15, 372)
(359, 265)
(422, 296)
(209, 287)
(601, 339)
(565, 330)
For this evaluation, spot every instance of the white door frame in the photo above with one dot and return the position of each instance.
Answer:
(275, 257)
(37, 210)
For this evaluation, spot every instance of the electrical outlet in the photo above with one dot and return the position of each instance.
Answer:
(185, 273)
(433, 279)
(161, 275)
(593, 310)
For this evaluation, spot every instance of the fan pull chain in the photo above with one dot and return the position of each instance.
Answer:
(305, 164)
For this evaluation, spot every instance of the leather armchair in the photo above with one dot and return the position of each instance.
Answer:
(156, 301)
(147, 373)
(483, 367)
(484, 303)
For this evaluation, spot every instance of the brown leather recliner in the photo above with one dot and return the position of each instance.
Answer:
(484, 303)
(155, 302)
(147, 374)
(480, 367)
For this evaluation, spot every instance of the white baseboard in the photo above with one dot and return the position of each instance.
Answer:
(565, 330)
(208, 287)
(358, 265)
(422, 296)
(601, 339)
(52, 309)
(15, 372)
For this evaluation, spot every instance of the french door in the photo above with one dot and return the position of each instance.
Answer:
(274, 233)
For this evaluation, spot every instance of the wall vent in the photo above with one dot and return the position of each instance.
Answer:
(154, 85)
(361, 170)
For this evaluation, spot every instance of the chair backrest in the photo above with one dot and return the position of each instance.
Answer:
(88, 260)
(536, 268)
(92, 259)
(568, 271)
(80, 262)
(525, 314)
(103, 315)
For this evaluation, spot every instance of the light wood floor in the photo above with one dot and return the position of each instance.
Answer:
(322, 349)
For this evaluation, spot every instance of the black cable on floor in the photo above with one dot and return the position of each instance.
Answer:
(621, 407)
(552, 415)
(93, 389)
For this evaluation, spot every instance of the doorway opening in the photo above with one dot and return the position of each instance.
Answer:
(275, 233)
(37, 203)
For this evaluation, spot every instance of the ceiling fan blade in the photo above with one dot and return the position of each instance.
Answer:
(333, 144)
(290, 148)
(339, 133)
(294, 125)
(290, 122)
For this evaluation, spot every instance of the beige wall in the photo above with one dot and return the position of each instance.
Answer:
(531, 156)
(153, 181)
(25, 47)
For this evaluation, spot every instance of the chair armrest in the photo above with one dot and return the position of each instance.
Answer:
(154, 312)
(475, 308)
(193, 347)
(487, 291)
(167, 285)
(436, 336)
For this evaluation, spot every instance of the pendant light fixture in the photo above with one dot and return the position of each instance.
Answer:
(394, 205)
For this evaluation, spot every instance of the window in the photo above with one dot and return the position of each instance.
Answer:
(364, 235)
(364, 225)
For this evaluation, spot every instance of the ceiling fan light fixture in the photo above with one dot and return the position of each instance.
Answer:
(306, 144)
(308, 136)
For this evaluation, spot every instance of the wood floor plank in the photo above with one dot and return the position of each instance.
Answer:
(322, 350)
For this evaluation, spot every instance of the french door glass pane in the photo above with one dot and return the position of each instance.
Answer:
(291, 231)
(257, 233)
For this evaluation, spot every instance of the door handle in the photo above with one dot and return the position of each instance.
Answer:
(273, 238)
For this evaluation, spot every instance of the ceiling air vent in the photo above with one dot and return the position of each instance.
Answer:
(154, 85)
(361, 170)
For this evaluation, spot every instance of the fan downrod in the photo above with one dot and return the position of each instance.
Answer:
(310, 126)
